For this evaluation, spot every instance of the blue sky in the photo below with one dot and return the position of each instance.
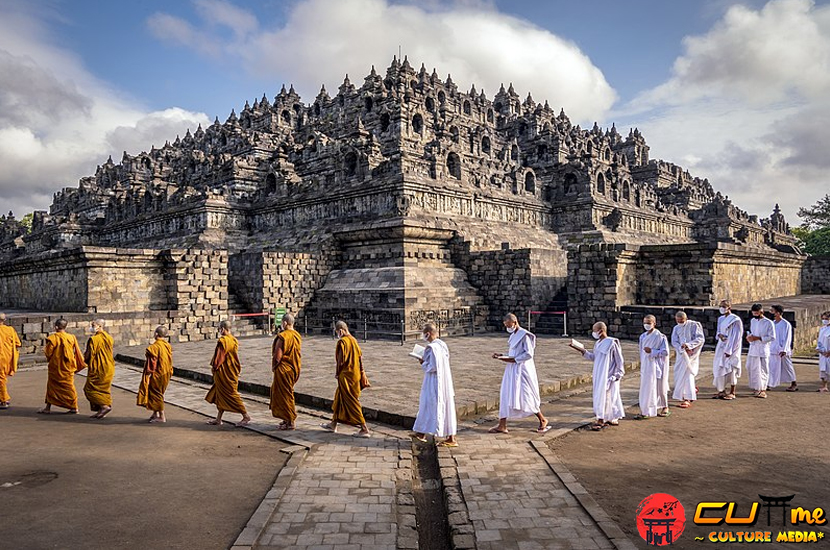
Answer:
(735, 91)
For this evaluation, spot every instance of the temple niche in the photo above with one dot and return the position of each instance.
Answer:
(396, 184)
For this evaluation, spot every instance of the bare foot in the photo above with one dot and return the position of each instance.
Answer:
(45, 410)
(244, 422)
(214, 422)
(497, 430)
(158, 420)
(285, 427)
(104, 411)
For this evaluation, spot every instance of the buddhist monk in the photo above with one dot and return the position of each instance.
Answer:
(101, 369)
(346, 406)
(65, 359)
(158, 368)
(9, 342)
(226, 368)
(285, 362)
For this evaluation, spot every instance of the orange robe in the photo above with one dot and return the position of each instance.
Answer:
(226, 368)
(286, 374)
(101, 365)
(158, 368)
(65, 359)
(9, 342)
(346, 404)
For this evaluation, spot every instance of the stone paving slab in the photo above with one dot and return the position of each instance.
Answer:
(396, 378)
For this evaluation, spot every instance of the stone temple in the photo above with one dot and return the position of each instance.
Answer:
(397, 200)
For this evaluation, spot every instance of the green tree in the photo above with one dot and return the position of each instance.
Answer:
(818, 215)
(817, 242)
(26, 222)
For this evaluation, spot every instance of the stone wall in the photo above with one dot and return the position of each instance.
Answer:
(604, 278)
(516, 280)
(815, 277)
(127, 329)
(197, 286)
(265, 280)
(125, 280)
(53, 281)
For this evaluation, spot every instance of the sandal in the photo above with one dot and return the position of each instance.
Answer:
(686, 404)
(719, 395)
(496, 430)
(447, 444)
(791, 389)
(285, 427)
(761, 395)
(664, 414)
(641, 417)
(326, 426)
(597, 427)
(613, 423)
(728, 397)
(421, 439)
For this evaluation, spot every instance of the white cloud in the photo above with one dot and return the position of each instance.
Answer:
(57, 121)
(323, 39)
(748, 106)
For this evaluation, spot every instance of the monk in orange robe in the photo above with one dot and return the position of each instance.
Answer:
(9, 342)
(158, 369)
(65, 359)
(285, 362)
(226, 368)
(346, 406)
(101, 368)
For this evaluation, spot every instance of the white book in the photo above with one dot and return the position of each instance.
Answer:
(578, 345)
(504, 357)
(417, 352)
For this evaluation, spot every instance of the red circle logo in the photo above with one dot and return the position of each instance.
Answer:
(660, 519)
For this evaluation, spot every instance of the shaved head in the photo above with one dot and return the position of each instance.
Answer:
(61, 324)
(341, 325)
(2, 318)
(510, 317)
(599, 326)
(161, 332)
(430, 328)
(225, 325)
(680, 315)
(650, 319)
(288, 320)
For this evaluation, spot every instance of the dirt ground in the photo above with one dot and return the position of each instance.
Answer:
(715, 451)
(71, 482)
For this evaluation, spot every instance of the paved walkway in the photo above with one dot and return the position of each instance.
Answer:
(396, 378)
(341, 492)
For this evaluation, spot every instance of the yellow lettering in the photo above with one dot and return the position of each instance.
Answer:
(713, 537)
(732, 520)
(702, 507)
(782, 537)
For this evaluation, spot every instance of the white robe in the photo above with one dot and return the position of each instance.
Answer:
(654, 372)
(519, 396)
(781, 369)
(436, 409)
(823, 346)
(732, 328)
(757, 358)
(609, 368)
(686, 366)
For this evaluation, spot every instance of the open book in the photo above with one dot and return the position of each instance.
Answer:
(578, 345)
(417, 352)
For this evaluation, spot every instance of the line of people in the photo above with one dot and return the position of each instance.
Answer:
(769, 361)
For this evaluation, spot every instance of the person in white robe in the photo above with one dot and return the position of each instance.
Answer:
(726, 367)
(687, 339)
(609, 368)
(519, 395)
(436, 408)
(654, 371)
(761, 335)
(823, 347)
(781, 370)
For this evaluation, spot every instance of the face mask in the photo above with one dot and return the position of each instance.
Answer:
(511, 330)
(723, 311)
(825, 322)
(425, 338)
(648, 327)
(596, 335)
(756, 316)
